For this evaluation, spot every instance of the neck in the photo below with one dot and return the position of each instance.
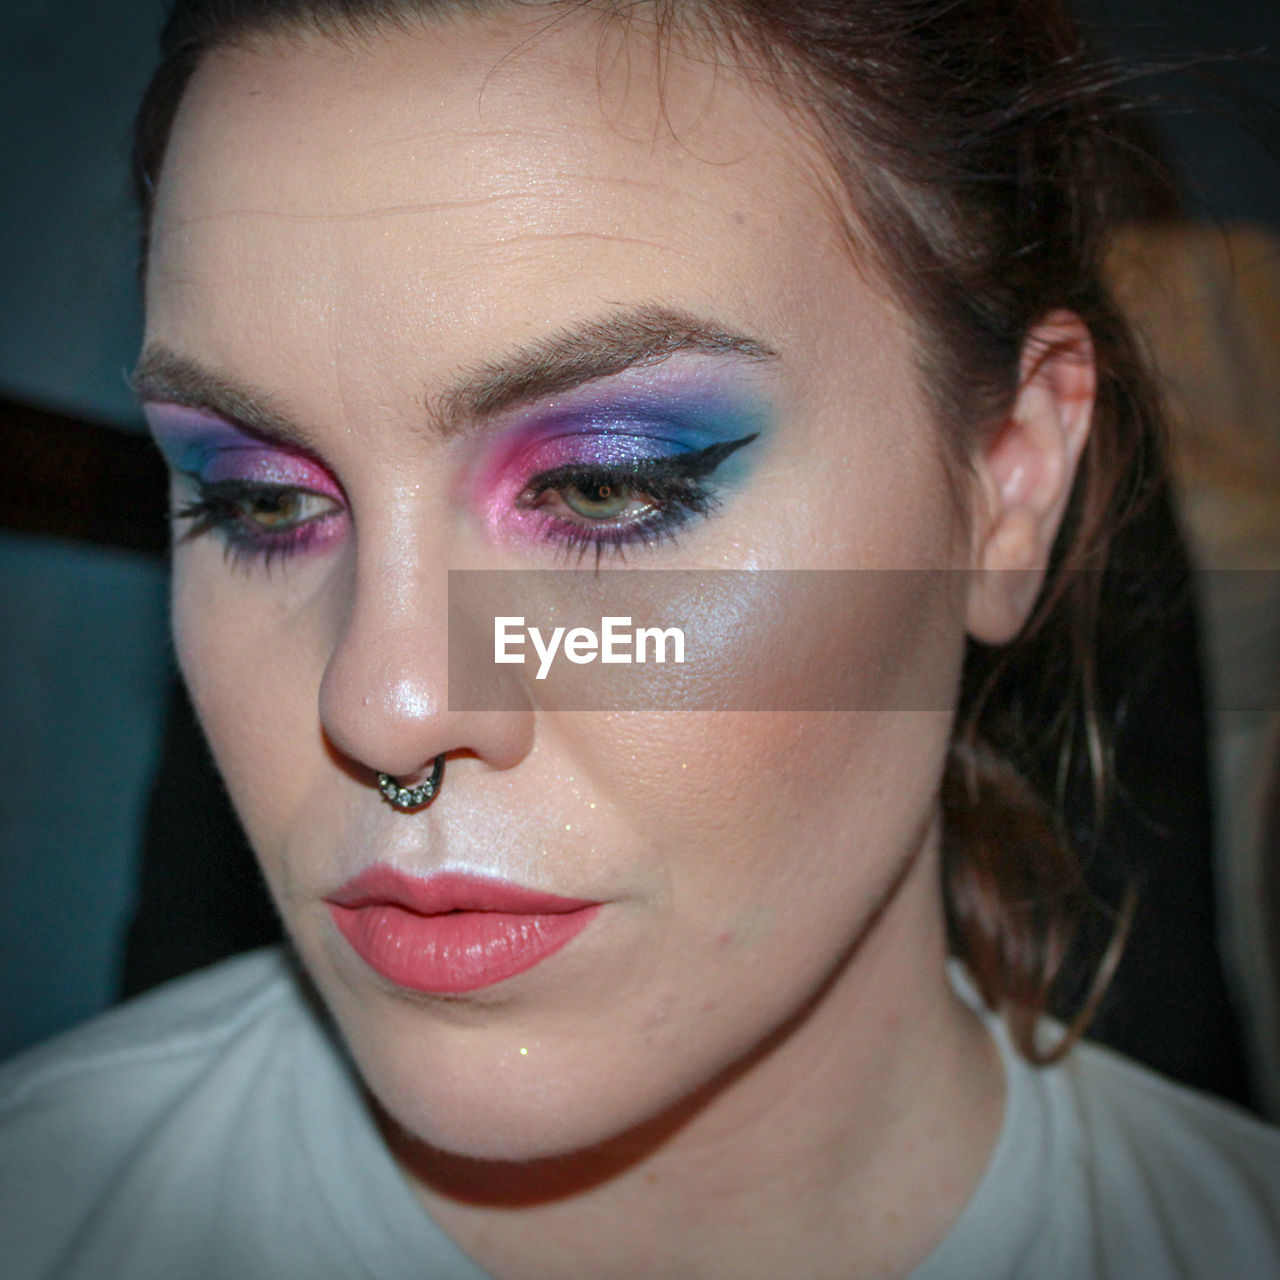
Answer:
(859, 1129)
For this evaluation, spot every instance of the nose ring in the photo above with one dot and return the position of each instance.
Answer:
(405, 798)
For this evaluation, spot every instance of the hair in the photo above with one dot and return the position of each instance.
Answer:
(987, 155)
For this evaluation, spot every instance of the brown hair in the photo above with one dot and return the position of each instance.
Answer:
(987, 158)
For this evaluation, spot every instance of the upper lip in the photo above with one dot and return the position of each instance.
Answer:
(445, 891)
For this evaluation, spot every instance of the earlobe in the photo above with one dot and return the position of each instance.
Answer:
(1025, 471)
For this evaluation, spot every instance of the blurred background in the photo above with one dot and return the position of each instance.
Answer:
(119, 863)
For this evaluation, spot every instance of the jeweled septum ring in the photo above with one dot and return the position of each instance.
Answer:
(412, 797)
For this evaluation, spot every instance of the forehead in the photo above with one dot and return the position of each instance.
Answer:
(424, 197)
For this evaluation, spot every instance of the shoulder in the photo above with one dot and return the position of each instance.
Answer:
(1180, 1183)
(141, 1093)
(1104, 1170)
(168, 1032)
(1130, 1106)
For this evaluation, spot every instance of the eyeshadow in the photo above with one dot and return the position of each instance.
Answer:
(203, 445)
(646, 413)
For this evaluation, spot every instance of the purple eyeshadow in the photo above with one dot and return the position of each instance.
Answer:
(531, 476)
(229, 472)
(612, 426)
(211, 449)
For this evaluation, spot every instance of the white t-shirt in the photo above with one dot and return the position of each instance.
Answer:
(215, 1130)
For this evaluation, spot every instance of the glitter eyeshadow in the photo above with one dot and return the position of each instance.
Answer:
(211, 450)
(619, 425)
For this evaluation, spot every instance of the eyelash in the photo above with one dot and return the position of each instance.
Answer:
(222, 507)
(675, 487)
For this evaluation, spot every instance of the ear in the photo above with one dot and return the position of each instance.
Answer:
(1025, 470)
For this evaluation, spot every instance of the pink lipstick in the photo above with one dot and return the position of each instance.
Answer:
(450, 933)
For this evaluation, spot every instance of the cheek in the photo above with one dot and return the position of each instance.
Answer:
(794, 810)
(248, 660)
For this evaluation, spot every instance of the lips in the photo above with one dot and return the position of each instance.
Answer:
(451, 933)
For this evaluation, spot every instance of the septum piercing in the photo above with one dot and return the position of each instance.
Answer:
(406, 798)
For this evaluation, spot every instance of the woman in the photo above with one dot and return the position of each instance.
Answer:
(629, 972)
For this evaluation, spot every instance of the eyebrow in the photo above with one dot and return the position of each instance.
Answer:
(579, 354)
(162, 374)
(583, 353)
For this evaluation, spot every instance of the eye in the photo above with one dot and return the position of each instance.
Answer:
(278, 509)
(643, 500)
(600, 501)
(602, 497)
(263, 520)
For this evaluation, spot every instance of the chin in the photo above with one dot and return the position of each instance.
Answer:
(451, 1075)
(471, 1099)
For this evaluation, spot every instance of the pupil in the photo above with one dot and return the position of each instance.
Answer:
(597, 499)
(274, 507)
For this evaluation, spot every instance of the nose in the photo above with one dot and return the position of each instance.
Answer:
(384, 695)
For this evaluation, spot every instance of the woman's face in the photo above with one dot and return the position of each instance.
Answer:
(467, 300)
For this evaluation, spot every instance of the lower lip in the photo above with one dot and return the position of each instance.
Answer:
(455, 951)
